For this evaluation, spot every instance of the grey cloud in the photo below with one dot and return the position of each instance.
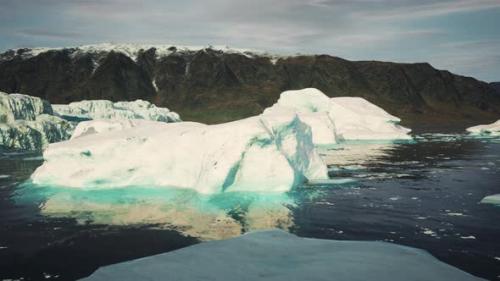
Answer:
(48, 33)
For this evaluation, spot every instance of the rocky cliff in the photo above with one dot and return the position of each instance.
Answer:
(211, 85)
(496, 86)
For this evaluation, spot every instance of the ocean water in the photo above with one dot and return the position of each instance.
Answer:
(423, 194)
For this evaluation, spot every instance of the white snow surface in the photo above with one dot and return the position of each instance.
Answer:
(105, 109)
(276, 255)
(85, 128)
(270, 152)
(492, 129)
(491, 199)
(340, 119)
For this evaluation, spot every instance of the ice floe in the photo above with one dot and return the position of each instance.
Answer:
(277, 255)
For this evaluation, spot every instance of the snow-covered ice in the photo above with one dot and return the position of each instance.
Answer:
(334, 120)
(100, 126)
(277, 255)
(270, 152)
(105, 109)
(492, 129)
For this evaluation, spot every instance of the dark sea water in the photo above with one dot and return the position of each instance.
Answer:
(424, 194)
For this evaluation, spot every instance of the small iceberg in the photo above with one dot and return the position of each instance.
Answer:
(277, 255)
(492, 129)
(491, 199)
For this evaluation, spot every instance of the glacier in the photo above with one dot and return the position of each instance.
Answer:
(339, 119)
(105, 109)
(268, 153)
(27, 123)
(492, 129)
(278, 255)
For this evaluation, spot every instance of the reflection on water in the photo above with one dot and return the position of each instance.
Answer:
(206, 217)
(423, 194)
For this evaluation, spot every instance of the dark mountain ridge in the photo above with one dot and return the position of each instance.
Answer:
(212, 86)
(496, 86)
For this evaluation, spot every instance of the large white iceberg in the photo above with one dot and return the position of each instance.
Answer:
(276, 255)
(104, 109)
(26, 123)
(270, 152)
(100, 126)
(492, 129)
(334, 120)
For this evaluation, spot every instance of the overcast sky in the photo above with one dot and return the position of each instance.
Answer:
(459, 35)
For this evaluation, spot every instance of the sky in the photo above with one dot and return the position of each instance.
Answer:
(462, 36)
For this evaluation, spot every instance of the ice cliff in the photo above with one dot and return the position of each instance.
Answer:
(26, 123)
(270, 152)
(334, 120)
(104, 109)
(30, 123)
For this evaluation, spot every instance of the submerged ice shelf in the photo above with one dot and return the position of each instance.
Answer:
(277, 255)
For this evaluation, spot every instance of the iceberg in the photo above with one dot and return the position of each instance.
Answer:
(31, 123)
(105, 109)
(22, 107)
(334, 120)
(100, 126)
(277, 255)
(492, 129)
(26, 123)
(268, 153)
(491, 199)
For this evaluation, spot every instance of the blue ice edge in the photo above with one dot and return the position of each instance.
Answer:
(278, 255)
(29, 193)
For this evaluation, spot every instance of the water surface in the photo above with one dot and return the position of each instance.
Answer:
(424, 194)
